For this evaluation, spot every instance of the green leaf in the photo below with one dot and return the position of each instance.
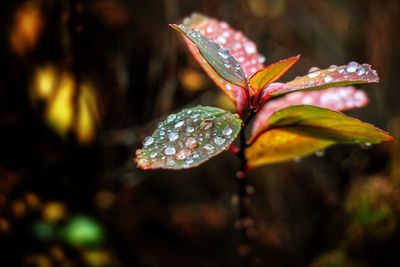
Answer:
(352, 73)
(301, 130)
(218, 57)
(189, 138)
(271, 73)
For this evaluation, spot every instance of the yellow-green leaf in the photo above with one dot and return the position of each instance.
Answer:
(278, 145)
(300, 130)
(271, 73)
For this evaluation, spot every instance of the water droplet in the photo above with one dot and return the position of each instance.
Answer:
(148, 141)
(328, 79)
(172, 136)
(179, 124)
(352, 67)
(170, 162)
(224, 53)
(153, 155)
(238, 67)
(314, 74)
(189, 161)
(227, 130)
(221, 39)
(171, 118)
(191, 143)
(196, 155)
(219, 140)
(182, 154)
(194, 115)
(161, 133)
(320, 153)
(313, 69)
(360, 71)
(332, 68)
(189, 129)
(249, 47)
(341, 69)
(228, 87)
(261, 59)
(227, 64)
(209, 149)
(209, 29)
(169, 150)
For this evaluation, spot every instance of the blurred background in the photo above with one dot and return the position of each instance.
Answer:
(83, 82)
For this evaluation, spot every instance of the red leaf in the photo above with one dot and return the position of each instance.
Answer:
(337, 98)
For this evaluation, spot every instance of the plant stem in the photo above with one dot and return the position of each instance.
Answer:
(243, 201)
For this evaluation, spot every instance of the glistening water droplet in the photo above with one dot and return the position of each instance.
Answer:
(148, 141)
(352, 67)
(172, 136)
(169, 150)
(227, 131)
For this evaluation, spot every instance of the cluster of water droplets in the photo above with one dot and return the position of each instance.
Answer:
(353, 71)
(188, 138)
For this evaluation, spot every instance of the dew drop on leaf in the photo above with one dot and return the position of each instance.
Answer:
(352, 67)
(182, 154)
(172, 136)
(171, 118)
(148, 141)
(219, 140)
(328, 79)
(209, 149)
(227, 130)
(169, 150)
(179, 124)
(191, 143)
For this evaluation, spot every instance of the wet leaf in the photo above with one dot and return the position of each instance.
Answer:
(278, 145)
(218, 57)
(337, 98)
(352, 73)
(241, 48)
(306, 129)
(188, 138)
(271, 73)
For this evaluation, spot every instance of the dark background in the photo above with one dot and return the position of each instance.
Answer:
(74, 198)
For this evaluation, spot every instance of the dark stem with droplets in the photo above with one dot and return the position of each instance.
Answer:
(244, 248)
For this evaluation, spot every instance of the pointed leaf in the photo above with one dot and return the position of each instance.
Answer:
(271, 73)
(189, 138)
(352, 73)
(239, 47)
(218, 57)
(300, 130)
(337, 98)
(278, 145)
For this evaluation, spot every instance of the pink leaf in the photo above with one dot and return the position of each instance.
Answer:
(352, 73)
(337, 98)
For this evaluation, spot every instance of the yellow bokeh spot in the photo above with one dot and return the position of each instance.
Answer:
(45, 82)
(60, 109)
(97, 258)
(87, 114)
(53, 212)
(28, 23)
(192, 80)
